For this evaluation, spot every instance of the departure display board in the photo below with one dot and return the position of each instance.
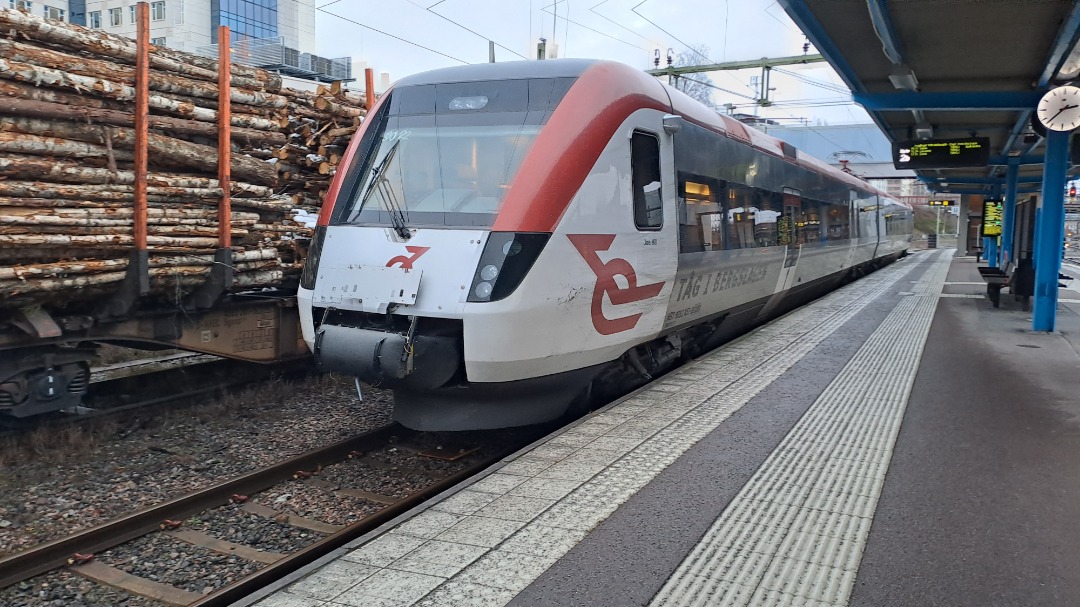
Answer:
(991, 220)
(942, 153)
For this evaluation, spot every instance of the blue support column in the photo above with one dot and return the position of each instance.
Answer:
(991, 248)
(1008, 219)
(1049, 229)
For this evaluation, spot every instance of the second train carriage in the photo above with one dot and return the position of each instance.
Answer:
(511, 238)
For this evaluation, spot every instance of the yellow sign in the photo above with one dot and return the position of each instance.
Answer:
(992, 214)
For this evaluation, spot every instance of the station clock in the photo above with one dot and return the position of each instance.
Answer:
(1059, 109)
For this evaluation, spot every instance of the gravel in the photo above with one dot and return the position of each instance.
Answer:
(66, 589)
(61, 480)
(309, 501)
(160, 558)
(232, 524)
(357, 474)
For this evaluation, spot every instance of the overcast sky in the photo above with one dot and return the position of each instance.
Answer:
(629, 31)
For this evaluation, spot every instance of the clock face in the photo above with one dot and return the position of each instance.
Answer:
(1059, 109)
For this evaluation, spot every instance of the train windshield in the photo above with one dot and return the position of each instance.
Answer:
(447, 154)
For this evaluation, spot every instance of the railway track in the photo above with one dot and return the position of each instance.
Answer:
(375, 477)
(172, 380)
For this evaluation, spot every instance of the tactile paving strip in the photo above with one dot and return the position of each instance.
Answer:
(794, 535)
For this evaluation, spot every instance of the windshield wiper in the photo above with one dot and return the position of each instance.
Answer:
(380, 183)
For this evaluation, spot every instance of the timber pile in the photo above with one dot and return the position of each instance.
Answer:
(67, 97)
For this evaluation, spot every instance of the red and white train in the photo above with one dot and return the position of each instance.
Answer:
(509, 239)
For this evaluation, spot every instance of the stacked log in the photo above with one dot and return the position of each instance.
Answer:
(67, 171)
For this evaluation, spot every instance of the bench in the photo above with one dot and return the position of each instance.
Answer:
(996, 278)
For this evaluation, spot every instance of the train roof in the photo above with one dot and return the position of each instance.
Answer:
(678, 102)
(507, 70)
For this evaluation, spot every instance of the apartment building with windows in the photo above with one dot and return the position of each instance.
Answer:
(50, 9)
(276, 34)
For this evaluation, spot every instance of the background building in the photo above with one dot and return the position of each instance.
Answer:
(276, 34)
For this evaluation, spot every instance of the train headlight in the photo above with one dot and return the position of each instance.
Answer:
(483, 290)
(504, 262)
(489, 273)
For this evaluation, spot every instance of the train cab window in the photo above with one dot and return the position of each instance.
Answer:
(701, 221)
(645, 180)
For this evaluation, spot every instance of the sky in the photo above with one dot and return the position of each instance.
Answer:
(403, 37)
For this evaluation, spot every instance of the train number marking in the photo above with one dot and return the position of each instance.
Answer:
(401, 135)
(588, 245)
(406, 261)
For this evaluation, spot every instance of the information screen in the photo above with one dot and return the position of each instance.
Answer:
(992, 213)
(942, 153)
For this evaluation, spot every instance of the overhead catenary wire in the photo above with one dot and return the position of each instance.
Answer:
(673, 36)
(836, 88)
(379, 31)
(593, 8)
(471, 31)
(546, 9)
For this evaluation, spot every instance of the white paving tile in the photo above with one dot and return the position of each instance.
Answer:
(401, 586)
(481, 531)
(462, 594)
(504, 569)
(543, 540)
(545, 488)
(498, 483)
(384, 549)
(438, 558)
(516, 508)
(526, 466)
(428, 524)
(333, 579)
(465, 502)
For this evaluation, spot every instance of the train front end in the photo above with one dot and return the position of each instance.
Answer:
(408, 244)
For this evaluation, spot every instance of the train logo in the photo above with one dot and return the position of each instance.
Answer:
(588, 245)
(406, 261)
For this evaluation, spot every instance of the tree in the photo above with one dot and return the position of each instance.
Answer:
(695, 85)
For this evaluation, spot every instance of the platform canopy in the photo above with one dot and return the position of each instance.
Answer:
(951, 70)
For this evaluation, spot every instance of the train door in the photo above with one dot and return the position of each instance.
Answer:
(879, 230)
(853, 237)
(789, 235)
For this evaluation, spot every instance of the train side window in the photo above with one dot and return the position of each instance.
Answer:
(645, 180)
(701, 222)
(770, 210)
(741, 215)
(839, 221)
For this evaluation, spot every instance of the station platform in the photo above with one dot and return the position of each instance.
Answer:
(897, 442)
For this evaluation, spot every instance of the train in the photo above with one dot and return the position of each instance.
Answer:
(510, 241)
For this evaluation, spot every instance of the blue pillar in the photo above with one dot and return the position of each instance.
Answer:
(1049, 231)
(990, 246)
(1008, 219)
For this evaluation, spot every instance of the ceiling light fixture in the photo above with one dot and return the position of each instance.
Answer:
(903, 79)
